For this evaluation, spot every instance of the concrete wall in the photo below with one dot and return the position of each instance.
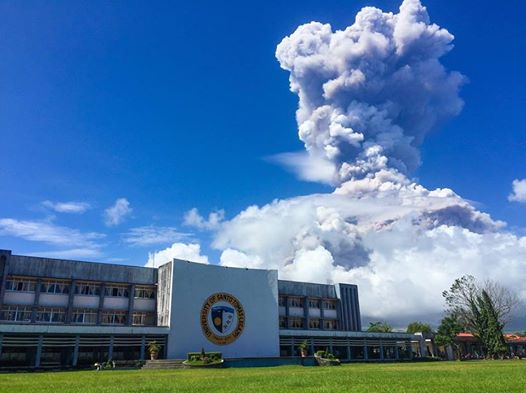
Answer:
(294, 288)
(22, 298)
(48, 300)
(256, 290)
(164, 294)
(57, 268)
(144, 304)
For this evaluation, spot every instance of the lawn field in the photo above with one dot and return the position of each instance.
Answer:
(446, 377)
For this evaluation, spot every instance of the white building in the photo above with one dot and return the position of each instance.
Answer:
(62, 313)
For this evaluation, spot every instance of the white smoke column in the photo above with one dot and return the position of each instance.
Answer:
(367, 97)
(369, 94)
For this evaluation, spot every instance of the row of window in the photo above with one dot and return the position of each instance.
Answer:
(20, 285)
(312, 303)
(80, 316)
(298, 323)
(15, 313)
(81, 288)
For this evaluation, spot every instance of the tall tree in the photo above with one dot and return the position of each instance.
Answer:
(464, 293)
(483, 310)
(493, 338)
(419, 327)
(447, 331)
(379, 327)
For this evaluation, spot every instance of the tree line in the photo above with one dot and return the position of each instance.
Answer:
(480, 309)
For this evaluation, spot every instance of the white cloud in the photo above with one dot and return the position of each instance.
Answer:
(77, 244)
(74, 253)
(519, 191)
(401, 250)
(187, 252)
(192, 218)
(236, 258)
(116, 214)
(67, 207)
(149, 235)
(41, 231)
(307, 167)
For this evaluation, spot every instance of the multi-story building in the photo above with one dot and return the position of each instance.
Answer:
(63, 313)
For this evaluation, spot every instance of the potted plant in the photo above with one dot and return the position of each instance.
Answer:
(303, 348)
(154, 350)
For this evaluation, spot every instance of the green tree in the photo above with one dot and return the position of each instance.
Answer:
(419, 327)
(493, 339)
(379, 327)
(483, 310)
(447, 331)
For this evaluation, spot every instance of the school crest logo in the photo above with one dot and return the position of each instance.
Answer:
(222, 318)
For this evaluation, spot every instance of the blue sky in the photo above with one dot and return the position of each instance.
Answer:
(176, 106)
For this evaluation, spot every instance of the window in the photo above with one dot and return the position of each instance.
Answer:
(282, 301)
(329, 324)
(296, 323)
(296, 302)
(20, 284)
(116, 291)
(51, 315)
(15, 314)
(143, 318)
(114, 318)
(84, 316)
(88, 289)
(329, 305)
(282, 322)
(314, 323)
(314, 303)
(57, 287)
(144, 293)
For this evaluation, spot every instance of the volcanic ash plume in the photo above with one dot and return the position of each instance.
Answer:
(368, 95)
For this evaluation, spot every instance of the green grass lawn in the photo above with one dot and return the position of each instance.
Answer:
(476, 376)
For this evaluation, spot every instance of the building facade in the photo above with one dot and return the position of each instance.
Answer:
(63, 313)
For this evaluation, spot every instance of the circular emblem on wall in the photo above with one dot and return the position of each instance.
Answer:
(222, 318)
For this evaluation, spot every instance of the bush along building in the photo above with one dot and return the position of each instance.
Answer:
(64, 313)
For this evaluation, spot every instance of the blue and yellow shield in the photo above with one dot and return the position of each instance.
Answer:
(222, 318)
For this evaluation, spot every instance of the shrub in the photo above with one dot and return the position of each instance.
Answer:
(204, 356)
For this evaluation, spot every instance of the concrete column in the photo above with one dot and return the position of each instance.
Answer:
(143, 346)
(397, 354)
(110, 350)
(322, 315)
(76, 351)
(287, 312)
(311, 346)
(365, 352)
(4, 268)
(349, 353)
(35, 303)
(39, 351)
(339, 322)
(330, 345)
(382, 355)
(305, 312)
(1, 342)
(423, 346)
(101, 303)
(410, 345)
(69, 310)
(292, 353)
(131, 300)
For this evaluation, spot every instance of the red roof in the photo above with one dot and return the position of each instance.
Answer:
(510, 337)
